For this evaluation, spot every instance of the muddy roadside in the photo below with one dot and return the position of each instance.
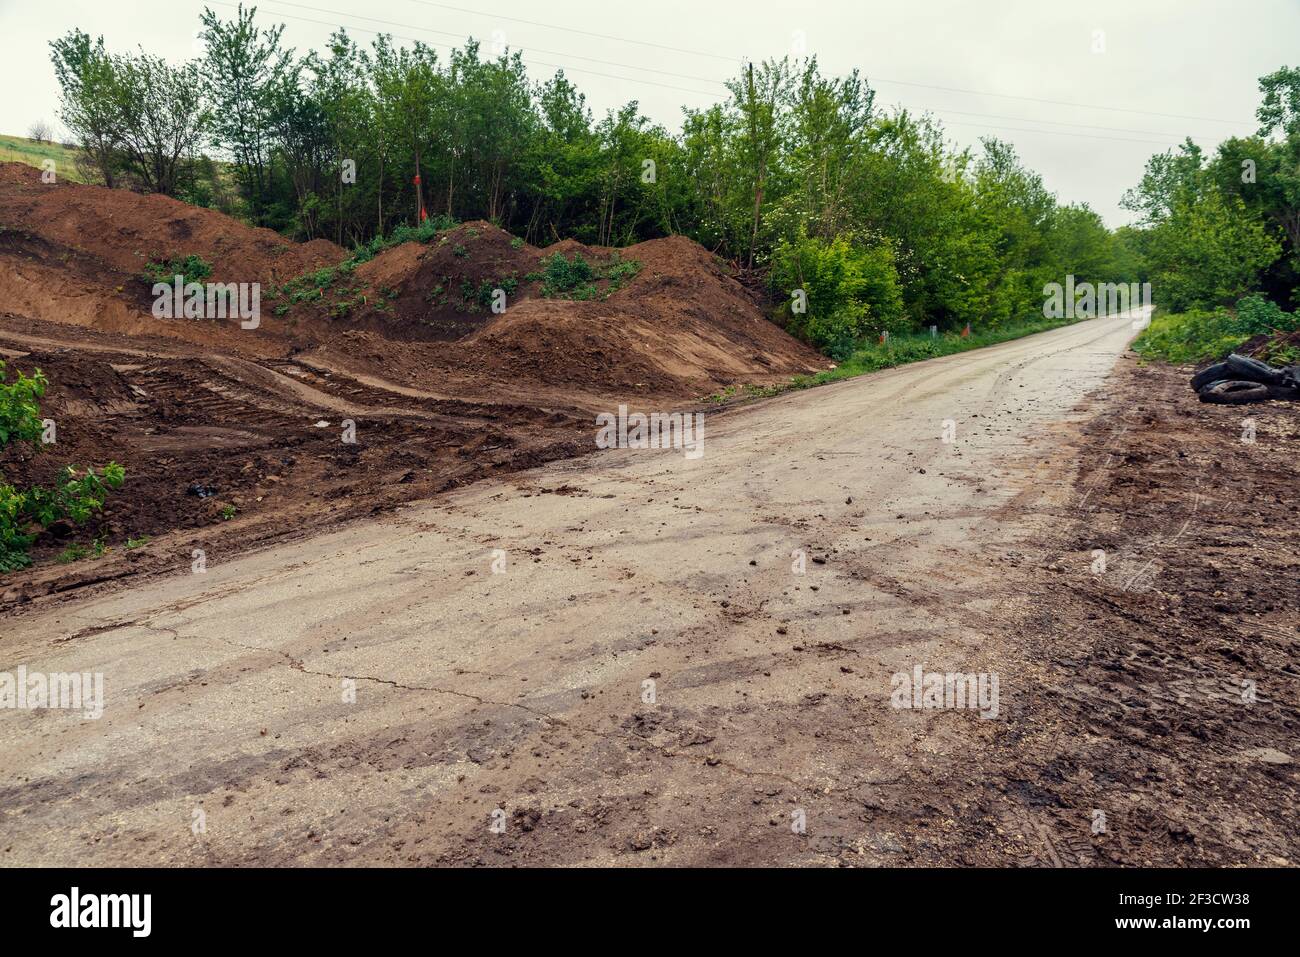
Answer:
(1158, 649)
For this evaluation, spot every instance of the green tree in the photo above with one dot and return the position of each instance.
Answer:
(244, 66)
(162, 117)
(89, 100)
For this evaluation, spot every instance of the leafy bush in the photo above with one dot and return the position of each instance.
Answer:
(1208, 252)
(14, 539)
(576, 278)
(561, 275)
(427, 230)
(852, 291)
(20, 415)
(74, 497)
(190, 269)
(1198, 335)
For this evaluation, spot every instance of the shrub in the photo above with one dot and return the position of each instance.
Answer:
(561, 275)
(20, 415)
(1198, 335)
(852, 291)
(73, 497)
(190, 269)
(575, 278)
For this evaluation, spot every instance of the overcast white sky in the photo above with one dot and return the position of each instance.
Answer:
(1170, 68)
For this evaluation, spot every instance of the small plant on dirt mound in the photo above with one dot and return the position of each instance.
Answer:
(423, 233)
(190, 269)
(313, 286)
(326, 283)
(20, 412)
(561, 275)
(575, 278)
(74, 498)
(481, 297)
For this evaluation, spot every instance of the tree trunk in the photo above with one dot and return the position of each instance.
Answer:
(419, 191)
(758, 164)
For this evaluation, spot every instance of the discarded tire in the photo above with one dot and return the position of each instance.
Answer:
(1215, 373)
(1252, 370)
(1240, 379)
(1234, 392)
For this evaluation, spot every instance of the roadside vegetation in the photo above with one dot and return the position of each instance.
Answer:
(897, 351)
(1220, 237)
(75, 497)
(1204, 335)
(799, 179)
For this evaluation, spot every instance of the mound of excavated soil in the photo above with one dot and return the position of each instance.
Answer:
(126, 230)
(419, 314)
(76, 254)
(441, 389)
(680, 326)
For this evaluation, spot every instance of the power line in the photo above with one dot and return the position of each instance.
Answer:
(735, 59)
(448, 46)
(585, 33)
(448, 33)
(1087, 136)
(1035, 99)
(1030, 119)
(639, 80)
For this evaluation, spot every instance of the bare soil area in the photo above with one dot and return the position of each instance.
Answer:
(1167, 687)
(233, 437)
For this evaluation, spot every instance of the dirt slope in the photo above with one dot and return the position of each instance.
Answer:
(125, 230)
(681, 328)
(442, 390)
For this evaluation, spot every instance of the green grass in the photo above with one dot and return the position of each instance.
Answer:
(1201, 335)
(76, 552)
(899, 350)
(19, 149)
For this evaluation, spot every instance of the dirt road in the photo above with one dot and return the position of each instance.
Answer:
(676, 660)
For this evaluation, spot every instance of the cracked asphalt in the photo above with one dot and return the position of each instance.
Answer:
(675, 661)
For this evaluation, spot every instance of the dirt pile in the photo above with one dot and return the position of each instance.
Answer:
(661, 318)
(441, 388)
(77, 254)
(680, 324)
(126, 230)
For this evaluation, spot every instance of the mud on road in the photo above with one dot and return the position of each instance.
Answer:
(504, 719)
(1167, 685)
(224, 453)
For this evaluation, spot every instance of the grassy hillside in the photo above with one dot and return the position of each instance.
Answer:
(19, 149)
